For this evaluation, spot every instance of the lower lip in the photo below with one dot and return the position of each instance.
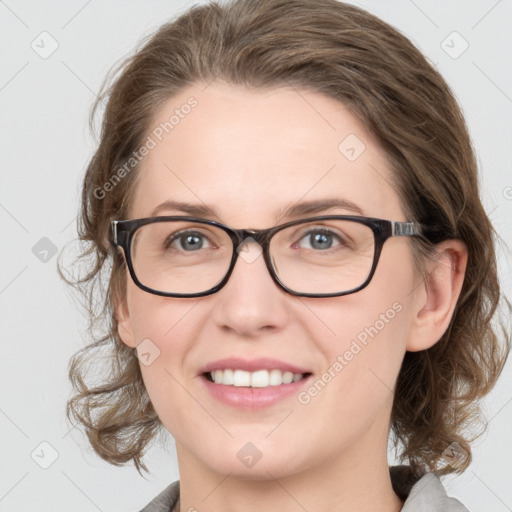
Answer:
(253, 398)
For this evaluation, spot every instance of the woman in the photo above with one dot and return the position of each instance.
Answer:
(287, 195)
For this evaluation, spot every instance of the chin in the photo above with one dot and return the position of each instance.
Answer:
(249, 463)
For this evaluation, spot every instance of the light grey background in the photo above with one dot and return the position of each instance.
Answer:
(45, 147)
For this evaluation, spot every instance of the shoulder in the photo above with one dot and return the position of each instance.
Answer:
(166, 500)
(424, 495)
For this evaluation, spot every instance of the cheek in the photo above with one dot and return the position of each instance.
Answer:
(158, 318)
(363, 335)
(355, 390)
(365, 349)
(163, 329)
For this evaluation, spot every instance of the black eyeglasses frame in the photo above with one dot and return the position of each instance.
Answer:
(122, 232)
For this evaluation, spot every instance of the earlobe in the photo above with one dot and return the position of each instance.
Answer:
(438, 295)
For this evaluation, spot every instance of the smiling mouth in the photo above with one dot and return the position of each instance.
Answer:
(257, 379)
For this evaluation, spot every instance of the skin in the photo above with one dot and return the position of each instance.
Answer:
(248, 153)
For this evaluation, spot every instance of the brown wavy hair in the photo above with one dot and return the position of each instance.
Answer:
(348, 54)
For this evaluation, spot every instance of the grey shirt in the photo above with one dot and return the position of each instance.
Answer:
(424, 495)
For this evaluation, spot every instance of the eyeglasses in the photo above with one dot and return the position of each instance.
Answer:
(326, 256)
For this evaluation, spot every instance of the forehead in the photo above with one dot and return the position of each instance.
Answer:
(249, 153)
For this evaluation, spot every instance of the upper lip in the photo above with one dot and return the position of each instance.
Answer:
(251, 365)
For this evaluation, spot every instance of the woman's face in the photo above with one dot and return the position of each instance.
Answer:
(249, 155)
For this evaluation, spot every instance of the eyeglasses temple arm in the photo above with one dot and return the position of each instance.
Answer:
(405, 228)
(114, 231)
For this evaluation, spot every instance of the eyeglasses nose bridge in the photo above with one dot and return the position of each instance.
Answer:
(244, 237)
(258, 236)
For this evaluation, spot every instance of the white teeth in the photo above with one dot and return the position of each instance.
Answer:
(275, 377)
(227, 377)
(257, 379)
(287, 377)
(241, 378)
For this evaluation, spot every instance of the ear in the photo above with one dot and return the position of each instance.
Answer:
(122, 314)
(437, 296)
(124, 325)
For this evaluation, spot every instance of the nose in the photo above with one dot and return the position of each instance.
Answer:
(250, 302)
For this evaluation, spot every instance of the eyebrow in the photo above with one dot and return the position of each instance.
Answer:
(293, 210)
